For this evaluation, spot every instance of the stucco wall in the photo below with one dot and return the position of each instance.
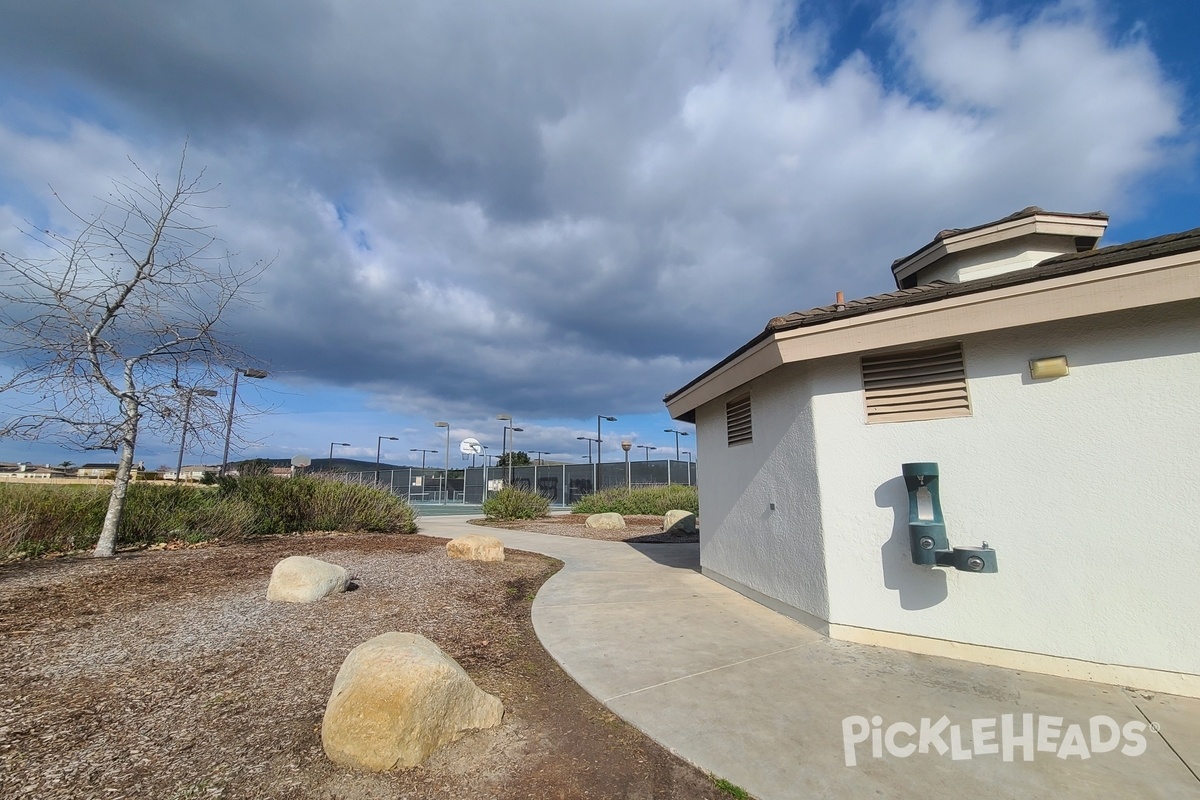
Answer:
(778, 553)
(987, 260)
(1087, 486)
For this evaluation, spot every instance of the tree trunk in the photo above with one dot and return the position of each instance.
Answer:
(107, 544)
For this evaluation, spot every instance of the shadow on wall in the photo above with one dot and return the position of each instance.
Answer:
(919, 587)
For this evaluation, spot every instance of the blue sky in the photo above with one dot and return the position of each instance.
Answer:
(561, 210)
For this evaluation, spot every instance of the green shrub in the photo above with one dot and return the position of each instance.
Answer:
(157, 512)
(282, 505)
(225, 518)
(513, 503)
(652, 500)
(39, 519)
(339, 506)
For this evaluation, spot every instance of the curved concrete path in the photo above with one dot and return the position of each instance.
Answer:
(760, 700)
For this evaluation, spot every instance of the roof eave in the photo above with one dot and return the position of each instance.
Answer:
(1042, 222)
(1139, 283)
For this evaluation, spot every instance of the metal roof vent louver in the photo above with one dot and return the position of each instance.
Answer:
(916, 385)
(738, 429)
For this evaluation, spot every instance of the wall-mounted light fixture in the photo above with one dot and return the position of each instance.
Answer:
(1053, 367)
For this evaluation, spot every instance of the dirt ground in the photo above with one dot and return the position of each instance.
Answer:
(167, 675)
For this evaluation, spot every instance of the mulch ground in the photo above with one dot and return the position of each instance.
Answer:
(167, 675)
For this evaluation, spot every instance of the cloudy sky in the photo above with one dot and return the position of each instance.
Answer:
(556, 210)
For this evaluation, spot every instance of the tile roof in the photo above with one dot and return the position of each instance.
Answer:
(1028, 211)
(1115, 255)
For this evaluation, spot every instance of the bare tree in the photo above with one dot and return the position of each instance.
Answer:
(118, 326)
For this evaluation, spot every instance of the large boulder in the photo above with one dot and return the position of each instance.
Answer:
(396, 699)
(474, 547)
(608, 521)
(679, 521)
(300, 579)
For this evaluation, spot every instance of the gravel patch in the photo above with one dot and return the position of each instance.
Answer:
(168, 675)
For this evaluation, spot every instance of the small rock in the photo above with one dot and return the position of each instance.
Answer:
(679, 521)
(608, 521)
(474, 547)
(396, 699)
(300, 579)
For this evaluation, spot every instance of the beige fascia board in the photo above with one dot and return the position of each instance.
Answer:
(934, 252)
(1146, 283)
(1065, 297)
(1051, 224)
(1028, 226)
(756, 361)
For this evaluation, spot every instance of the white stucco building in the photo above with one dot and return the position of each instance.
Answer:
(1086, 485)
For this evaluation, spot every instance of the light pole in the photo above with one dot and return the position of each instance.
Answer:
(507, 420)
(688, 453)
(600, 460)
(378, 449)
(333, 445)
(677, 435)
(589, 440)
(422, 451)
(595, 468)
(483, 447)
(446, 479)
(187, 411)
(249, 373)
(539, 454)
(627, 446)
(647, 448)
(511, 432)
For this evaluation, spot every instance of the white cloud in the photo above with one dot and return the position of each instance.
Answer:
(579, 204)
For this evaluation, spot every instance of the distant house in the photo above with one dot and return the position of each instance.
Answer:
(25, 471)
(1054, 385)
(96, 470)
(106, 470)
(195, 472)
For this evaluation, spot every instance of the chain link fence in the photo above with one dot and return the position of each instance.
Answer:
(562, 484)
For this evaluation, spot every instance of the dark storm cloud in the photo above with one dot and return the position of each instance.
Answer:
(557, 206)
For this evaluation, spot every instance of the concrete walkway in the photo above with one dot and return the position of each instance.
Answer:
(761, 700)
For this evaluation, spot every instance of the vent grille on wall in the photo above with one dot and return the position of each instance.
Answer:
(920, 384)
(737, 421)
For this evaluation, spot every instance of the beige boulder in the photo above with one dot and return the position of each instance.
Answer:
(300, 579)
(608, 521)
(679, 521)
(474, 547)
(396, 699)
